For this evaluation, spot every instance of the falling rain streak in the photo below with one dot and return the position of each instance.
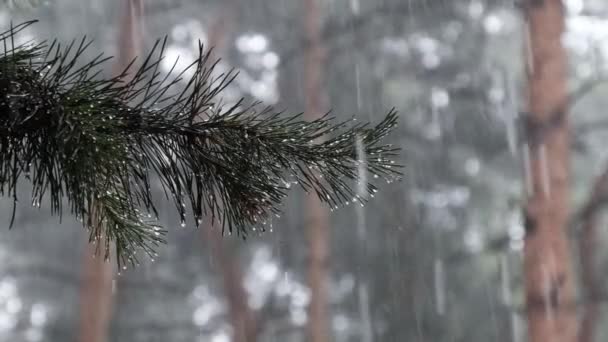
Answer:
(505, 280)
(547, 280)
(545, 170)
(362, 196)
(439, 282)
(527, 162)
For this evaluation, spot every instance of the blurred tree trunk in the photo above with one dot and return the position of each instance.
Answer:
(96, 296)
(317, 220)
(241, 316)
(549, 279)
(587, 248)
(130, 34)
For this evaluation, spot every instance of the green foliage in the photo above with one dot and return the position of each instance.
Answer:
(101, 142)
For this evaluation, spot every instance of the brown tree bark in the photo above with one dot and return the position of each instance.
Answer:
(549, 279)
(242, 317)
(96, 296)
(317, 220)
(130, 34)
(587, 248)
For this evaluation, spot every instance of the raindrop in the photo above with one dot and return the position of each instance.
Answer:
(511, 133)
(358, 85)
(515, 327)
(439, 276)
(528, 170)
(547, 292)
(544, 169)
(528, 50)
(505, 279)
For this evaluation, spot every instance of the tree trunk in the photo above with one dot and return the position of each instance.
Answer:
(317, 221)
(96, 295)
(549, 280)
(587, 248)
(241, 316)
(130, 34)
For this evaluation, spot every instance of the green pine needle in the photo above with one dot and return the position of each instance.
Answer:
(101, 142)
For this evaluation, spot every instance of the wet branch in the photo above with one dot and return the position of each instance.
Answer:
(57, 114)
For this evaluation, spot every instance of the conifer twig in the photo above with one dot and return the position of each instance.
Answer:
(101, 142)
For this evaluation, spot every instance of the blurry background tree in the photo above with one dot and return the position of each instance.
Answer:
(443, 248)
(316, 222)
(97, 298)
(549, 279)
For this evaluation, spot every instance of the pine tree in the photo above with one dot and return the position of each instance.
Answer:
(97, 144)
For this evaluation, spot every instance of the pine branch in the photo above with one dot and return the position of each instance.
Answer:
(101, 142)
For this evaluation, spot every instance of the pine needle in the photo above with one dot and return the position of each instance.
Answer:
(100, 143)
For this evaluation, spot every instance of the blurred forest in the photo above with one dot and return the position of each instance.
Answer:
(437, 256)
